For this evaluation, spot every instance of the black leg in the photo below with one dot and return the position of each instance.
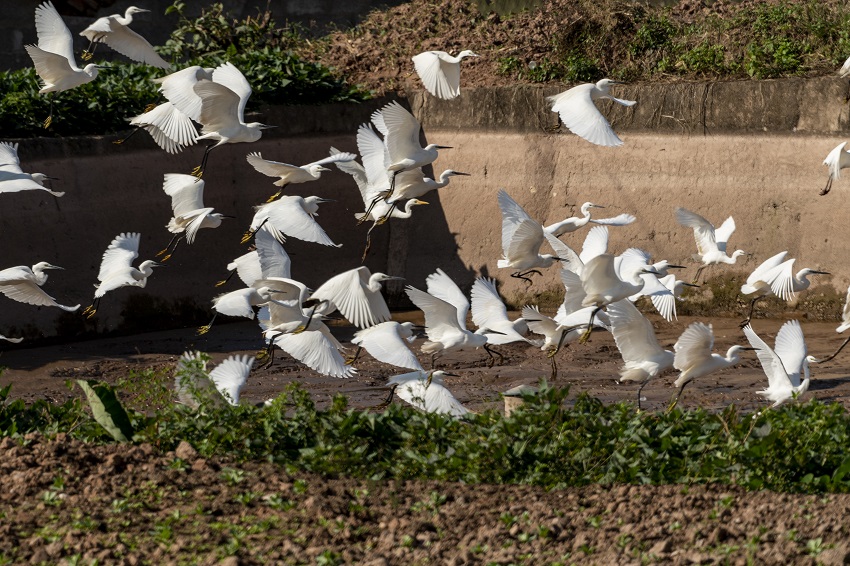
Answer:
(250, 233)
(750, 316)
(586, 336)
(828, 186)
(226, 279)
(168, 247)
(491, 358)
(353, 358)
(199, 170)
(836, 352)
(678, 394)
(130, 135)
(642, 385)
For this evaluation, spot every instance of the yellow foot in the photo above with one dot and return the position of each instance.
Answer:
(349, 360)
(118, 142)
(89, 312)
(48, 121)
(203, 329)
(246, 236)
(87, 55)
(150, 107)
(551, 353)
(586, 336)
(274, 196)
(262, 354)
(197, 172)
(381, 220)
(161, 252)
(166, 257)
(300, 329)
(220, 283)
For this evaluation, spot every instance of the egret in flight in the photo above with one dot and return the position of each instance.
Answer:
(387, 342)
(12, 340)
(711, 242)
(440, 72)
(23, 284)
(13, 178)
(115, 32)
(490, 315)
(267, 260)
(291, 216)
(426, 392)
(241, 301)
(845, 324)
(838, 159)
(522, 237)
(291, 174)
(193, 383)
(575, 222)
(53, 57)
(782, 364)
(581, 116)
(190, 214)
(356, 294)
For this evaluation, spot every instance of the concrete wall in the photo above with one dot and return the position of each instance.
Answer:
(728, 152)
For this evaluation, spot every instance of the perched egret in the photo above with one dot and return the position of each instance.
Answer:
(115, 32)
(581, 116)
(222, 114)
(267, 260)
(194, 384)
(12, 340)
(13, 178)
(291, 174)
(440, 72)
(575, 222)
(635, 338)
(23, 284)
(522, 237)
(116, 268)
(356, 293)
(190, 214)
(783, 364)
(845, 324)
(775, 276)
(838, 159)
(693, 357)
(291, 216)
(53, 57)
(386, 343)
(426, 392)
(260, 292)
(490, 314)
(711, 242)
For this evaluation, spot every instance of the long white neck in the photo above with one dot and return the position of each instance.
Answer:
(40, 275)
(444, 180)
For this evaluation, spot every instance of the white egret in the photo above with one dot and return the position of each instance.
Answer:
(665, 303)
(386, 343)
(115, 32)
(356, 293)
(222, 116)
(635, 338)
(53, 57)
(635, 261)
(292, 174)
(838, 159)
(13, 178)
(581, 116)
(193, 383)
(490, 314)
(845, 324)
(711, 242)
(267, 260)
(783, 364)
(414, 184)
(440, 72)
(426, 392)
(12, 340)
(116, 268)
(23, 284)
(522, 237)
(562, 329)
(575, 222)
(190, 214)
(170, 128)
(693, 357)
(775, 277)
(260, 292)
(291, 216)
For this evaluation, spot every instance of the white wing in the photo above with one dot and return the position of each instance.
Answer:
(230, 376)
(595, 243)
(273, 259)
(488, 310)
(287, 216)
(247, 267)
(569, 258)
(348, 292)
(781, 280)
(229, 76)
(317, 350)
(760, 271)
(694, 346)
(219, 108)
(723, 233)
(235, 303)
(129, 43)
(16, 182)
(12, 340)
(434, 398)
(384, 343)
(704, 233)
(512, 215)
(438, 313)
(443, 287)
(619, 220)
(770, 362)
(633, 333)
(120, 254)
(402, 131)
(170, 128)
(441, 78)
(845, 314)
(18, 284)
(375, 162)
(191, 380)
(178, 88)
(845, 69)
(580, 115)
(50, 67)
(53, 35)
(791, 349)
(538, 323)
(186, 192)
(9, 160)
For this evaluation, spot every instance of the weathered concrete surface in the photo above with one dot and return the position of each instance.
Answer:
(767, 180)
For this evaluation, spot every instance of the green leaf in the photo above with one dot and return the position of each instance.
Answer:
(107, 409)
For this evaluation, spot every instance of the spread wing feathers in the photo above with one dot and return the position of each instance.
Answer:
(197, 220)
(441, 286)
(488, 310)
(761, 271)
(722, 234)
(235, 303)
(178, 88)
(633, 333)
(595, 243)
(664, 303)
(170, 128)
(619, 220)
(512, 215)
(400, 129)
(130, 44)
(437, 311)
(432, 398)
(230, 376)
(357, 303)
(771, 363)
(19, 285)
(287, 216)
(694, 346)
(631, 262)
(538, 323)
(219, 106)
(581, 116)
(599, 275)
(292, 173)
(120, 254)
(791, 349)
(385, 344)
(441, 78)
(833, 160)
(53, 35)
(273, 259)
(316, 349)
(9, 160)
(229, 76)
(375, 162)
(569, 258)
(247, 267)
(15, 182)
(704, 233)
(191, 380)
(12, 340)
(525, 240)
(186, 192)
(575, 293)
(781, 280)
(51, 68)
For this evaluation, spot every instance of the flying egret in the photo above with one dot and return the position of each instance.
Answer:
(643, 357)
(711, 242)
(291, 174)
(23, 284)
(190, 214)
(575, 222)
(12, 340)
(414, 184)
(581, 116)
(356, 293)
(845, 324)
(170, 128)
(222, 116)
(783, 364)
(838, 159)
(116, 268)
(693, 357)
(115, 32)
(53, 57)
(241, 301)
(193, 383)
(440, 72)
(556, 332)
(426, 392)
(522, 237)
(267, 260)
(13, 178)
(291, 216)
(386, 343)
(662, 296)
(401, 136)
(775, 276)
(665, 303)
(490, 314)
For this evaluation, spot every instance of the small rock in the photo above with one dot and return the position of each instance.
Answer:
(185, 451)
(660, 547)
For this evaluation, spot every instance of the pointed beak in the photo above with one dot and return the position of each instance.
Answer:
(596, 206)
(417, 201)
(266, 127)
(55, 267)
(749, 349)
(675, 267)
(394, 278)
(464, 174)
(321, 200)
(822, 272)
(51, 178)
(690, 285)
(447, 373)
(444, 147)
(227, 216)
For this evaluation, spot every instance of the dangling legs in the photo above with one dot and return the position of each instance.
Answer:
(226, 279)
(278, 193)
(836, 352)
(828, 186)
(586, 336)
(130, 135)
(49, 120)
(206, 328)
(524, 275)
(88, 52)
(352, 359)
(491, 359)
(750, 316)
(92, 309)
(174, 240)
(678, 394)
(199, 170)
(250, 233)
(699, 271)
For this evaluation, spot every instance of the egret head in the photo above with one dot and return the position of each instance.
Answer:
(467, 53)
(417, 202)
(91, 70)
(134, 10)
(739, 253)
(42, 265)
(378, 276)
(588, 205)
(453, 173)
(605, 84)
(735, 351)
(317, 169)
(40, 178)
(149, 264)
(807, 271)
(812, 360)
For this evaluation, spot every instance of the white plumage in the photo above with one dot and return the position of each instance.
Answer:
(228, 378)
(440, 72)
(426, 392)
(783, 364)
(356, 293)
(581, 116)
(386, 342)
(835, 161)
(12, 177)
(23, 284)
(115, 32)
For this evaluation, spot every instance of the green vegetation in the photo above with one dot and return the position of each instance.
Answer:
(262, 51)
(801, 447)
